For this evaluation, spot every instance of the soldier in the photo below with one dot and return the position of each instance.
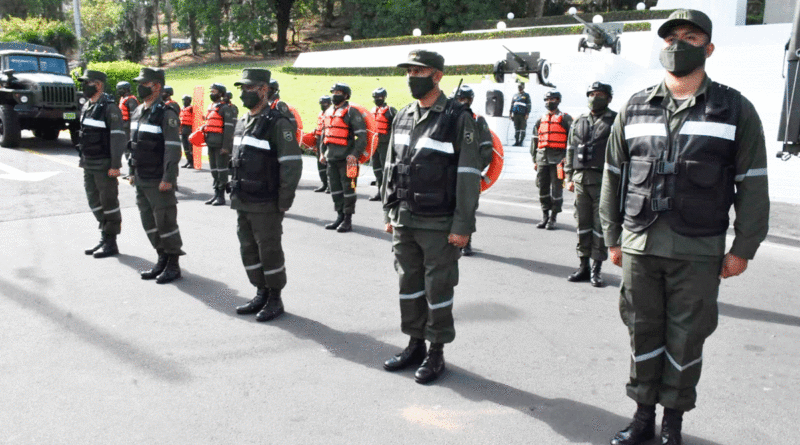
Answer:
(430, 215)
(274, 90)
(218, 130)
(520, 109)
(384, 115)
(102, 142)
(229, 102)
(187, 121)
(127, 103)
(681, 153)
(267, 166)
(166, 96)
(324, 104)
(155, 154)
(548, 149)
(586, 155)
(344, 141)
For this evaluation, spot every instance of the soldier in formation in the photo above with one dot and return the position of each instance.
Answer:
(519, 111)
(384, 115)
(218, 129)
(187, 122)
(324, 104)
(548, 149)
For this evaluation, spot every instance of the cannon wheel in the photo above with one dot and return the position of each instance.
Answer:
(499, 71)
(582, 45)
(543, 72)
(617, 46)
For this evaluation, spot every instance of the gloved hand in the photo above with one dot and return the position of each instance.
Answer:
(458, 240)
(615, 255)
(732, 266)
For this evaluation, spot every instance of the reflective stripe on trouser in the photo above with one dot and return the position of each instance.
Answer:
(379, 159)
(520, 124)
(551, 189)
(670, 308)
(590, 231)
(427, 268)
(260, 246)
(218, 163)
(344, 196)
(187, 147)
(159, 213)
(102, 192)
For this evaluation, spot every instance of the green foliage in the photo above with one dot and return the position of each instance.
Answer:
(613, 16)
(389, 18)
(101, 47)
(251, 26)
(39, 31)
(132, 44)
(97, 16)
(384, 71)
(115, 71)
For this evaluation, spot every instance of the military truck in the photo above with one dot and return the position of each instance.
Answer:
(36, 93)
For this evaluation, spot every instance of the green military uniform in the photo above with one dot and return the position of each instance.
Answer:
(519, 111)
(551, 189)
(379, 157)
(427, 265)
(342, 190)
(322, 169)
(668, 297)
(588, 176)
(130, 103)
(220, 146)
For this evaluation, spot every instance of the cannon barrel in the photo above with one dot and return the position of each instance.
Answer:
(789, 128)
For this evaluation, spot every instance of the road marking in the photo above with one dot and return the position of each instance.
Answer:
(19, 175)
(53, 158)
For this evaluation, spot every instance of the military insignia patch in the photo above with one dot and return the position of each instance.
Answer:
(288, 136)
(172, 122)
(468, 137)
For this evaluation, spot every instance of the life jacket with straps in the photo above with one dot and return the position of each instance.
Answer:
(320, 124)
(95, 137)
(381, 120)
(256, 170)
(551, 133)
(147, 144)
(187, 116)
(123, 107)
(336, 129)
(591, 139)
(690, 180)
(214, 121)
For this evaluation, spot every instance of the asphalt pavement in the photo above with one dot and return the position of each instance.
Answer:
(91, 354)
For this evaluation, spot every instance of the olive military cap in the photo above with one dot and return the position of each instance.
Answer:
(93, 75)
(686, 17)
(421, 57)
(251, 76)
(150, 75)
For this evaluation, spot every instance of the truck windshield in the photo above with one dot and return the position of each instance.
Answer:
(52, 65)
(23, 64)
(32, 64)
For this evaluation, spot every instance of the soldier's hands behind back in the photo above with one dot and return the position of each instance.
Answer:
(732, 266)
(458, 240)
(113, 172)
(615, 255)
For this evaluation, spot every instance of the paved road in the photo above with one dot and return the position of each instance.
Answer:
(91, 354)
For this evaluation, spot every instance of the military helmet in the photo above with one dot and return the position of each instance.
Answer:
(186, 96)
(219, 87)
(229, 95)
(168, 91)
(600, 86)
(274, 85)
(325, 100)
(123, 86)
(379, 92)
(343, 87)
(465, 92)
(553, 94)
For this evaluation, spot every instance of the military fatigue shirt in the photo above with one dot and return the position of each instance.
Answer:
(548, 156)
(357, 139)
(172, 143)
(112, 118)
(586, 176)
(223, 140)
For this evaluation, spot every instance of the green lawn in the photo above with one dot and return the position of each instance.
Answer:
(302, 92)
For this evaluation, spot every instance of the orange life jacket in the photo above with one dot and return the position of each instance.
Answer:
(551, 133)
(214, 121)
(187, 116)
(126, 115)
(336, 129)
(381, 119)
(320, 124)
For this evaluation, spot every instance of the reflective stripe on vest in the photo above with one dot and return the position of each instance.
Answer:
(187, 116)
(214, 121)
(93, 123)
(551, 133)
(336, 130)
(251, 141)
(381, 120)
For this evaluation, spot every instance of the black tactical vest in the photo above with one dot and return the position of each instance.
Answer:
(590, 152)
(95, 137)
(256, 171)
(423, 179)
(147, 144)
(690, 180)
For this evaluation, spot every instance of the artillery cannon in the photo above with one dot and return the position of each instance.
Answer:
(789, 126)
(523, 64)
(600, 35)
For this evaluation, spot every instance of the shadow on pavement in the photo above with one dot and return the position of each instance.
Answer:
(123, 350)
(555, 270)
(357, 229)
(575, 421)
(746, 313)
(191, 194)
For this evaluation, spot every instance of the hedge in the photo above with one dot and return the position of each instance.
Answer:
(384, 71)
(458, 37)
(116, 72)
(39, 31)
(614, 16)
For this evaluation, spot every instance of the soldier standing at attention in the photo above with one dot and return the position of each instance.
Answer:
(344, 141)
(430, 187)
(218, 129)
(187, 119)
(586, 156)
(681, 152)
(102, 142)
(155, 155)
(127, 103)
(520, 109)
(548, 149)
(384, 115)
(267, 166)
(229, 102)
(166, 96)
(324, 104)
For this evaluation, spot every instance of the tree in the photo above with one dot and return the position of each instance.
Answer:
(283, 15)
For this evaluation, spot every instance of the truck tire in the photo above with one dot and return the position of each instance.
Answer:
(9, 127)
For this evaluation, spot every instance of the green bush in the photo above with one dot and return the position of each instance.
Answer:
(116, 71)
(40, 31)
(614, 16)
(383, 71)
(101, 47)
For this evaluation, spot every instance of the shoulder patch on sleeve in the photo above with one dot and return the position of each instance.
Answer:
(288, 135)
(172, 122)
(469, 137)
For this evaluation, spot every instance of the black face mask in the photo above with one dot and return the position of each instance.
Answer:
(144, 92)
(165, 97)
(324, 107)
(681, 58)
(337, 99)
(379, 101)
(420, 86)
(214, 97)
(552, 106)
(186, 103)
(250, 99)
(598, 103)
(89, 90)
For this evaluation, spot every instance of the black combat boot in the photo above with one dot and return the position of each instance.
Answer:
(583, 273)
(597, 280)
(109, 247)
(347, 224)
(671, 426)
(545, 218)
(220, 201)
(322, 188)
(97, 247)
(641, 429)
(254, 305)
(335, 225)
(157, 268)
(188, 164)
(413, 354)
(551, 223)
(171, 272)
(467, 250)
(273, 308)
(213, 198)
(377, 197)
(433, 365)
